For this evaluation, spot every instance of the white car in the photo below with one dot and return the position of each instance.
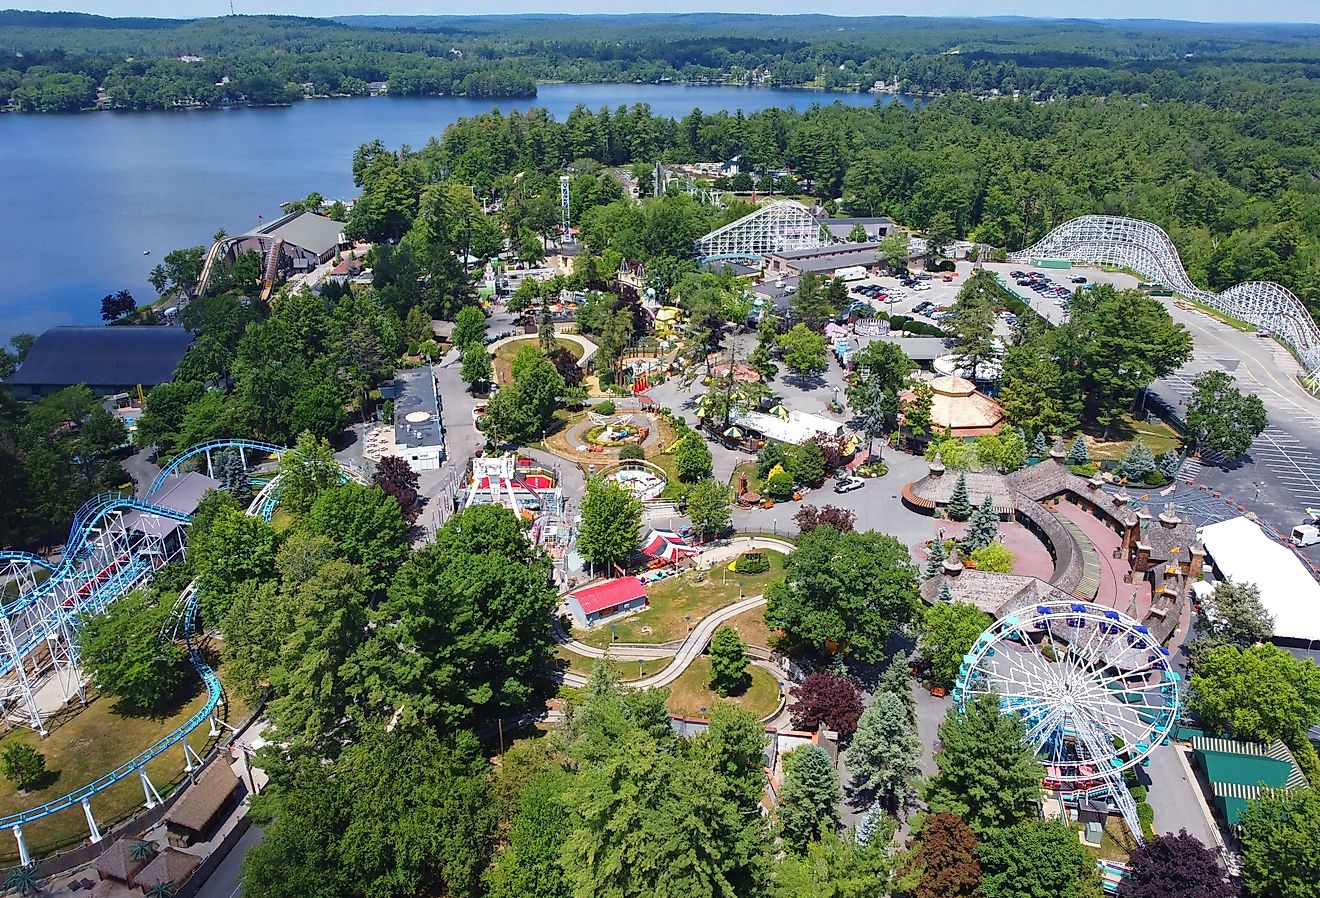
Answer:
(921, 286)
(848, 484)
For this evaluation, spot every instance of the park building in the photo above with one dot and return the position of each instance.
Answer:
(877, 228)
(417, 435)
(825, 260)
(108, 360)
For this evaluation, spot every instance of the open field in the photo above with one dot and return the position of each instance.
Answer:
(751, 626)
(93, 741)
(1157, 435)
(677, 604)
(691, 695)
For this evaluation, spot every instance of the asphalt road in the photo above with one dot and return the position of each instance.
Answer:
(223, 883)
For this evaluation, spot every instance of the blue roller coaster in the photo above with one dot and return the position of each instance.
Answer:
(116, 543)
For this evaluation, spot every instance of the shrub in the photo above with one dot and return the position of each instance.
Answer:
(752, 563)
(779, 485)
(605, 408)
(632, 451)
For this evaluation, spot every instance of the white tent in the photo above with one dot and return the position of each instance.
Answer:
(1243, 553)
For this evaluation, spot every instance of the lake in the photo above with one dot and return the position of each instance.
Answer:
(84, 195)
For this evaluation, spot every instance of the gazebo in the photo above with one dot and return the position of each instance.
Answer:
(959, 408)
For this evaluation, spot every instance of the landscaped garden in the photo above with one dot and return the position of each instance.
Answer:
(504, 354)
(691, 694)
(679, 603)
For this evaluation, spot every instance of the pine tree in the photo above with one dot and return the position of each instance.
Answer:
(1041, 447)
(1139, 463)
(934, 559)
(883, 756)
(960, 506)
(1078, 454)
(984, 525)
(946, 593)
(897, 681)
(872, 824)
(1169, 463)
(809, 798)
(227, 466)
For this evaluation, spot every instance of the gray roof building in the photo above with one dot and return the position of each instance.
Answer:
(418, 433)
(307, 230)
(106, 359)
(876, 227)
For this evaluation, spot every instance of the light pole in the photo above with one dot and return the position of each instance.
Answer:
(1256, 498)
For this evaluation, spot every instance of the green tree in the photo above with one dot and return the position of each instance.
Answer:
(728, 662)
(1232, 614)
(848, 588)
(1256, 692)
(916, 411)
(1280, 831)
(121, 649)
(476, 369)
(1079, 454)
(833, 866)
(983, 527)
(809, 463)
(22, 765)
(763, 363)
(314, 683)
(884, 756)
(545, 331)
(367, 527)
(307, 470)
(803, 351)
(809, 798)
(935, 556)
(529, 864)
(810, 303)
(1222, 419)
(972, 321)
(940, 232)
(882, 367)
(895, 249)
(987, 774)
(947, 634)
(469, 327)
(857, 234)
(611, 523)
(1139, 463)
(708, 507)
(24, 880)
(960, 505)
(692, 458)
(1036, 859)
(234, 548)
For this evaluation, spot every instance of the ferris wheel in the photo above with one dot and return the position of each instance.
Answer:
(1093, 688)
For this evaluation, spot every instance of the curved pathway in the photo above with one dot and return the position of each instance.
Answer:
(694, 644)
(588, 348)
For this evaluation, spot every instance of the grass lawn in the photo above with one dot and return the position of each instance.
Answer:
(751, 626)
(93, 741)
(622, 670)
(748, 468)
(1157, 435)
(281, 519)
(677, 604)
(690, 694)
(504, 355)
(1226, 319)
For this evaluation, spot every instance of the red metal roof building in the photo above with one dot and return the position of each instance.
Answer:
(594, 604)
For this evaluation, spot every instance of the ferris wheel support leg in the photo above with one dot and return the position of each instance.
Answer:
(24, 856)
(91, 821)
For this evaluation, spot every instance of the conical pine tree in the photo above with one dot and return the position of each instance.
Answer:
(934, 559)
(1078, 454)
(946, 593)
(960, 506)
(1041, 447)
(1169, 463)
(983, 527)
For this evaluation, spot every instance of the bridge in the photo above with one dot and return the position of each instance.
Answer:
(1146, 249)
(780, 226)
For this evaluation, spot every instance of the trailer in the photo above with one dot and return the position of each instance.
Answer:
(852, 273)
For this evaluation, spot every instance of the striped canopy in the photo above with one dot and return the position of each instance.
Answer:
(668, 545)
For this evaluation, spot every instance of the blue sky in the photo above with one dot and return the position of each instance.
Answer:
(1198, 10)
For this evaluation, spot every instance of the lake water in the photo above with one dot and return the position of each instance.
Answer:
(83, 195)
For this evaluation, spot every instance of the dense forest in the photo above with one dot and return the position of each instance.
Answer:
(60, 61)
(1235, 187)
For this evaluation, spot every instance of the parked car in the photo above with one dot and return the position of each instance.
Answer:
(1078, 279)
(921, 287)
(1016, 274)
(848, 484)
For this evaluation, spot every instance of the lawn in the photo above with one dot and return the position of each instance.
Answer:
(504, 355)
(748, 468)
(678, 603)
(1225, 319)
(622, 670)
(691, 695)
(751, 626)
(93, 741)
(1157, 435)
